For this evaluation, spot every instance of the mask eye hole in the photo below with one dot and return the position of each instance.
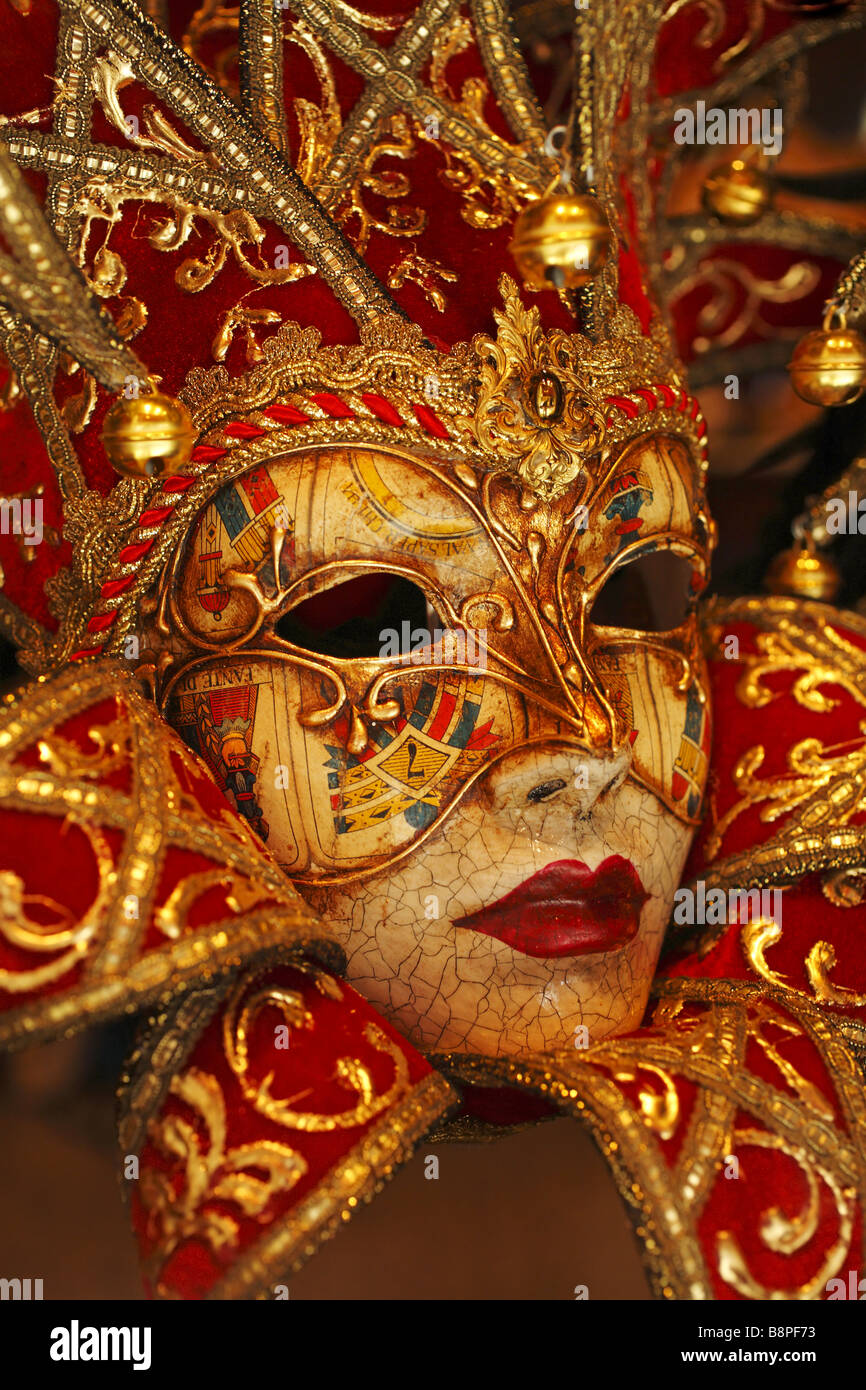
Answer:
(651, 593)
(347, 620)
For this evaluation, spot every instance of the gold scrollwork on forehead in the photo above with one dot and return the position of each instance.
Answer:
(535, 408)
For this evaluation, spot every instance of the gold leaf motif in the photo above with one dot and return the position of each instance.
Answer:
(811, 1096)
(210, 1173)
(819, 962)
(320, 125)
(827, 786)
(726, 280)
(490, 198)
(660, 1111)
(702, 1033)
(760, 935)
(73, 939)
(238, 232)
(241, 895)
(491, 193)
(845, 887)
(108, 275)
(240, 317)
(785, 1235)
(109, 75)
(111, 750)
(550, 447)
(422, 273)
(132, 822)
(820, 796)
(131, 318)
(165, 138)
(351, 212)
(77, 410)
(196, 274)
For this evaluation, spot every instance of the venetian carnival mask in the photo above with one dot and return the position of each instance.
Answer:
(464, 706)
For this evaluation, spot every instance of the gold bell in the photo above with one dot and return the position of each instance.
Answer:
(560, 241)
(828, 366)
(737, 192)
(802, 572)
(148, 436)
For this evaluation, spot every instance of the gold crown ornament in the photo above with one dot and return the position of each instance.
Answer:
(251, 204)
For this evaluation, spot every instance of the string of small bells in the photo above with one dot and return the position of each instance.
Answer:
(827, 369)
(560, 241)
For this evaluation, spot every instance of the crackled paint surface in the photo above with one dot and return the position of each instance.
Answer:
(433, 811)
(448, 987)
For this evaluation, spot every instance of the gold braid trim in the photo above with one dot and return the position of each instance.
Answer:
(504, 65)
(161, 1051)
(157, 816)
(159, 977)
(245, 154)
(649, 1189)
(42, 286)
(260, 40)
(665, 1200)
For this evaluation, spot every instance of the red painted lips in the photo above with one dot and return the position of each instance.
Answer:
(567, 909)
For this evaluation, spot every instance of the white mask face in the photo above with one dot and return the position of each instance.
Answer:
(482, 767)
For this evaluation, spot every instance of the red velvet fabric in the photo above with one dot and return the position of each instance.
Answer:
(779, 1054)
(307, 1070)
(776, 728)
(180, 328)
(50, 856)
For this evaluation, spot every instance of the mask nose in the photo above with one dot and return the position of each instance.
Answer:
(536, 787)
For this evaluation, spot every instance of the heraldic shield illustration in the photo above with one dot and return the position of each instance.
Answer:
(383, 745)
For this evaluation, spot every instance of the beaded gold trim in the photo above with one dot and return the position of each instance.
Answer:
(115, 971)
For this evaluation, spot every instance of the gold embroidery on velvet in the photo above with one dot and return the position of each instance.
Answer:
(241, 1016)
(155, 814)
(354, 1180)
(211, 1173)
(666, 1199)
(73, 938)
(786, 1235)
(507, 71)
(38, 283)
(823, 790)
(424, 274)
(250, 176)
